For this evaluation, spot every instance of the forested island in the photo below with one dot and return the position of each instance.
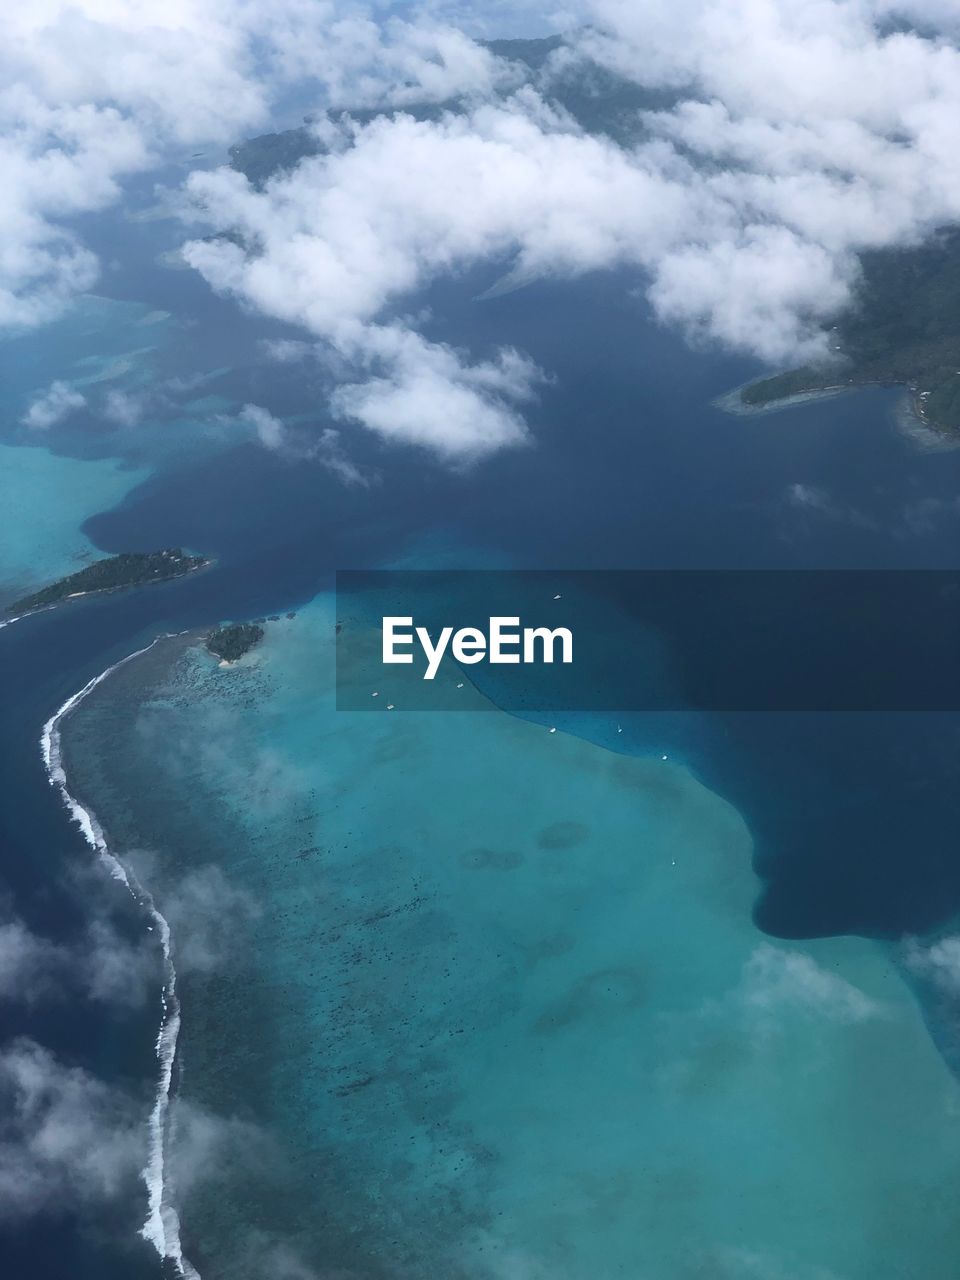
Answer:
(904, 328)
(234, 640)
(129, 569)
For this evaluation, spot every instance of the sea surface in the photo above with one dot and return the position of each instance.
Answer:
(624, 1000)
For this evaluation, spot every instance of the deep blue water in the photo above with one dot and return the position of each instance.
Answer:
(855, 820)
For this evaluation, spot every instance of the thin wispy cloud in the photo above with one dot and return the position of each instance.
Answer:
(66, 1139)
(778, 983)
(71, 1142)
(101, 965)
(299, 445)
(935, 962)
(209, 917)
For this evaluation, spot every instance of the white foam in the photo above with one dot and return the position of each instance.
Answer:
(162, 1225)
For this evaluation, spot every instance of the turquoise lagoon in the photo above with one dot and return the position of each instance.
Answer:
(495, 1008)
(52, 481)
(45, 501)
(46, 497)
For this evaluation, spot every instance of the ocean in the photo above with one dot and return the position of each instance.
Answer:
(486, 1002)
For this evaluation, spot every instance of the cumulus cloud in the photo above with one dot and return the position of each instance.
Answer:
(404, 201)
(798, 137)
(789, 139)
(364, 63)
(98, 90)
(55, 404)
(917, 517)
(334, 244)
(826, 126)
(428, 394)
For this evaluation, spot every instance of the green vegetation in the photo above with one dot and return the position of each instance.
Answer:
(903, 329)
(131, 569)
(534, 53)
(260, 158)
(232, 642)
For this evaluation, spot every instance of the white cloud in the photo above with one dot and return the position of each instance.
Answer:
(69, 1140)
(123, 408)
(208, 918)
(362, 62)
(776, 981)
(66, 1138)
(202, 1145)
(287, 350)
(347, 234)
(832, 128)
(55, 404)
(801, 136)
(330, 452)
(938, 962)
(325, 448)
(97, 90)
(101, 965)
(763, 290)
(427, 394)
(30, 967)
(270, 430)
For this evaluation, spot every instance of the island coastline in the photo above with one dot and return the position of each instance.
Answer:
(122, 572)
(161, 1227)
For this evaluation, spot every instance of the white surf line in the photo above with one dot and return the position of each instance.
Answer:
(162, 1225)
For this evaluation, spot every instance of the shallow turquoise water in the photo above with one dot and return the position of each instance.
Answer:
(503, 1013)
(96, 342)
(45, 500)
(53, 481)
